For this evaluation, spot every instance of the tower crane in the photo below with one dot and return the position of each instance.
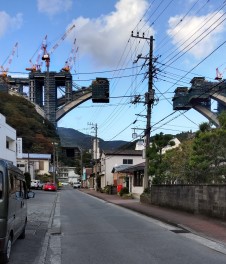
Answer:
(37, 66)
(46, 55)
(219, 75)
(4, 70)
(71, 59)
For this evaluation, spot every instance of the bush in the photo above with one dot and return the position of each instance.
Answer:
(123, 191)
(147, 190)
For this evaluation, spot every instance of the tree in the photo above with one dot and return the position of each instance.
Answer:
(28, 180)
(209, 155)
(156, 167)
(176, 163)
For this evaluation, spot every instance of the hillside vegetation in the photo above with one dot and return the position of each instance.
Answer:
(37, 133)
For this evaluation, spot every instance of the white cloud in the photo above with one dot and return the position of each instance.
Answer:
(53, 7)
(193, 29)
(104, 38)
(9, 23)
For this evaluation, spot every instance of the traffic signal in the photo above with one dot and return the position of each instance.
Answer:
(100, 90)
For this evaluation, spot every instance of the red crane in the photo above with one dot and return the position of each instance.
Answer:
(4, 70)
(71, 59)
(37, 66)
(46, 55)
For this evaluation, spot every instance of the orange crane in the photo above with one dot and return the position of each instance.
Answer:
(37, 66)
(71, 59)
(4, 70)
(46, 55)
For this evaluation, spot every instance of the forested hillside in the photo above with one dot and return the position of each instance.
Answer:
(37, 133)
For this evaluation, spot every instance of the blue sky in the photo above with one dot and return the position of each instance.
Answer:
(189, 40)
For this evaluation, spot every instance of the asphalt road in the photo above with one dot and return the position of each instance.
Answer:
(94, 231)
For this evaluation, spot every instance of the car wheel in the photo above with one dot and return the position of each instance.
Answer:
(6, 254)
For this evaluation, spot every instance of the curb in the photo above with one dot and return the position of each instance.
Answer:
(45, 245)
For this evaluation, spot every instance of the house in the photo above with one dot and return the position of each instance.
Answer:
(88, 178)
(7, 141)
(35, 164)
(131, 177)
(113, 158)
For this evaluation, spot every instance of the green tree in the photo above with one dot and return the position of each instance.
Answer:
(176, 163)
(209, 154)
(156, 167)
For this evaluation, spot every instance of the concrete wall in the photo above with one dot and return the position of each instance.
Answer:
(201, 199)
(7, 141)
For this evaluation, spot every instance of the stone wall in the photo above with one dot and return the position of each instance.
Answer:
(201, 199)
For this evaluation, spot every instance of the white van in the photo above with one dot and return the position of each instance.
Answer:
(13, 207)
(36, 184)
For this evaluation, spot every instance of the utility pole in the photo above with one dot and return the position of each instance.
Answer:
(96, 145)
(95, 151)
(149, 100)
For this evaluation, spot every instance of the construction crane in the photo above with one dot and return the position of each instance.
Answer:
(71, 59)
(219, 75)
(37, 66)
(46, 54)
(4, 70)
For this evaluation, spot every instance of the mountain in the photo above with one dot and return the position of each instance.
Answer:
(72, 138)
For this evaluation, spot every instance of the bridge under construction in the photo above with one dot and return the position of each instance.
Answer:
(199, 96)
(44, 89)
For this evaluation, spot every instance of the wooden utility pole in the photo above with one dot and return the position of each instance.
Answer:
(149, 100)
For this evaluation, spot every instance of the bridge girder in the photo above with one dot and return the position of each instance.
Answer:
(60, 113)
(199, 98)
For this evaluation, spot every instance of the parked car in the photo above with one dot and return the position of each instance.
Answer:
(76, 185)
(49, 186)
(36, 184)
(64, 183)
(13, 207)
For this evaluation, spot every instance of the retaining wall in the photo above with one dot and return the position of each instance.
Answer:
(201, 199)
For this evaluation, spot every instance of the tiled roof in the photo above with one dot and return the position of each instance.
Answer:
(127, 152)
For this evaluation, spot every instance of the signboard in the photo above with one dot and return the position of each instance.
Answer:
(19, 148)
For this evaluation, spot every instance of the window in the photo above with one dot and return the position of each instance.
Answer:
(20, 165)
(12, 185)
(127, 161)
(138, 178)
(19, 189)
(41, 165)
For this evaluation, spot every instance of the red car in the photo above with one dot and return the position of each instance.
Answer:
(49, 186)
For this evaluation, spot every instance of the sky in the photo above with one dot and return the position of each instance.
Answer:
(188, 37)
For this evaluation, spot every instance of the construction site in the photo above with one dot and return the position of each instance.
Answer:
(44, 86)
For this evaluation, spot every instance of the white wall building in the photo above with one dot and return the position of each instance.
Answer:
(111, 159)
(67, 174)
(35, 164)
(7, 141)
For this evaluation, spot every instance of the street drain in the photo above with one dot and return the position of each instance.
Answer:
(180, 231)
